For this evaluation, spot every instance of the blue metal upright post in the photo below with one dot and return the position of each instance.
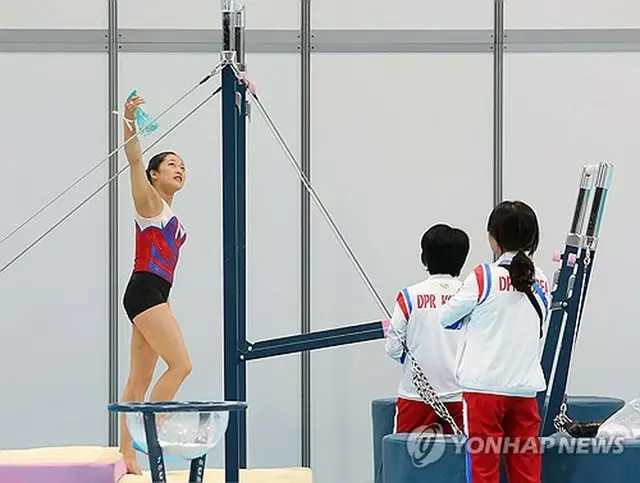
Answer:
(241, 219)
(230, 242)
(563, 284)
(571, 296)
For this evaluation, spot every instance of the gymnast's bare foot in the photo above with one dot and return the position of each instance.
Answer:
(132, 464)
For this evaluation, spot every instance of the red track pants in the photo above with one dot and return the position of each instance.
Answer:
(412, 415)
(505, 425)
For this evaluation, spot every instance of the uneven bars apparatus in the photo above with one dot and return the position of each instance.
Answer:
(569, 286)
(569, 293)
(237, 350)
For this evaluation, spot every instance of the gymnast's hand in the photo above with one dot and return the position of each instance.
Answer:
(131, 106)
(132, 148)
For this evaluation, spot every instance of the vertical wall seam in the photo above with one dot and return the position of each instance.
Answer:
(113, 219)
(305, 228)
(498, 100)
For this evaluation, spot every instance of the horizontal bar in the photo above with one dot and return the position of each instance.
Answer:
(573, 36)
(545, 48)
(399, 41)
(203, 40)
(323, 41)
(53, 40)
(322, 339)
(583, 40)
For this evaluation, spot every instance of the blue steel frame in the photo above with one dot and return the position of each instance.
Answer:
(237, 350)
(569, 296)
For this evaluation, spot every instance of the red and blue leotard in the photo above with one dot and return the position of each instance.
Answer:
(158, 243)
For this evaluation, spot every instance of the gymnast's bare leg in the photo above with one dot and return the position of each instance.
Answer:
(142, 367)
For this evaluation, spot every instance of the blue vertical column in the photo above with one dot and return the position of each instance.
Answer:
(562, 287)
(241, 217)
(230, 267)
(241, 229)
(230, 245)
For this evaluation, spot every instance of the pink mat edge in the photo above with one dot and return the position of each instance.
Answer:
(119, 469)
(119, 466)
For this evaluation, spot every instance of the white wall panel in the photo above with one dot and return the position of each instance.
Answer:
(404, 14)
(566, 14)
(54, 344)
(44, 14)
(205, 14)
(563, 111)
(272, 239)
(390, 158)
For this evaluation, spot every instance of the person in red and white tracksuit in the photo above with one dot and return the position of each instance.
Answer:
(500, 311)
(416, 320)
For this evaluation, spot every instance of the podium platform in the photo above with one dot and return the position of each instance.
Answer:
(596, 461)
(579, 408)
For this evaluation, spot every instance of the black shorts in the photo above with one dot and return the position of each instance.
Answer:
(144, 290)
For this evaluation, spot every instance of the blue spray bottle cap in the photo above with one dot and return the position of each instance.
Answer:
(145, 123)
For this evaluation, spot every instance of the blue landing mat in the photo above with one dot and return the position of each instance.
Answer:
(579, 408)
(565, 460)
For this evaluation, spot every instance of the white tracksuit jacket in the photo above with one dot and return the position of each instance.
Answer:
(416, 317)
(500, 350)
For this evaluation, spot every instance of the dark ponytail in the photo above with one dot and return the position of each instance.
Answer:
(514, 227)
(522, 272)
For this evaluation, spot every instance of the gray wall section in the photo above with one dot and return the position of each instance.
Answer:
(203, 14)
(402, 14)
(571, 14)
(53, 348)
(408, 146)
(388, 166)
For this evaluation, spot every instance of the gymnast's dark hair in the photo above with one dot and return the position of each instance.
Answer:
(156, 161)
(444, 250)
(514, 226)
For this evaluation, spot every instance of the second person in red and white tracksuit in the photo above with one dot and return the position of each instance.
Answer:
(500, 310)
(416, 320)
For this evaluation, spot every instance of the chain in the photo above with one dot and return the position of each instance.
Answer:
(561, 421)
(428, 394)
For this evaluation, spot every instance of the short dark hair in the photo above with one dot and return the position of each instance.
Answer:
(156, 161)
(514, 226)
(444, 250)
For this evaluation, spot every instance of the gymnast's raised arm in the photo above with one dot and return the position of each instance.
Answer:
(146, 199)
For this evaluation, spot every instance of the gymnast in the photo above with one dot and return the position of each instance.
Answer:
(416, 318)
(500, 309)
(159, 237)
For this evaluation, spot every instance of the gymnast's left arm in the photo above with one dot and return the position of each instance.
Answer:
(397, 331)
(455, 313)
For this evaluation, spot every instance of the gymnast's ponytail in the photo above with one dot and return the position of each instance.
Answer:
(513, 225)
(522, 272)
